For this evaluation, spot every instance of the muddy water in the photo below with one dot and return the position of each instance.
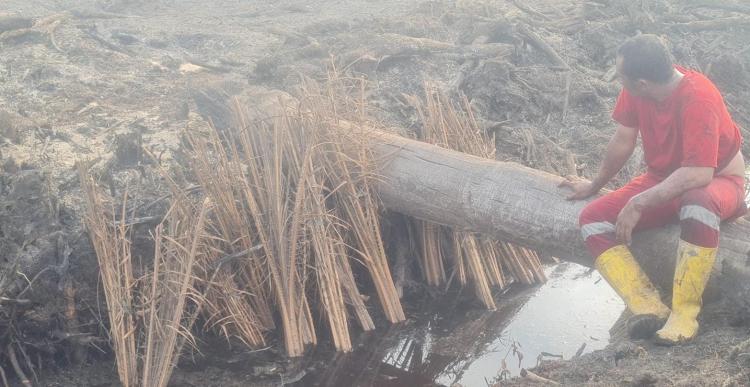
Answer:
(574, 308)
(457, 343)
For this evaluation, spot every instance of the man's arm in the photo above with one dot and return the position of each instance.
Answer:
(680, 181)
(619, 150)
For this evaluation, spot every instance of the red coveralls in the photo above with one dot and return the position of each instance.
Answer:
(690, 128)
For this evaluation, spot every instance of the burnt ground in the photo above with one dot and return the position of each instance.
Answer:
(711, 360)
(101, 80)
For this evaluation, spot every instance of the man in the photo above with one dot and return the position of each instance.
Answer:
(695, 176)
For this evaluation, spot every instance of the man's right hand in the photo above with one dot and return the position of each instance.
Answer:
(581, 188)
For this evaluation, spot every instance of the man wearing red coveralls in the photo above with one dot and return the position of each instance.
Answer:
(695, 177)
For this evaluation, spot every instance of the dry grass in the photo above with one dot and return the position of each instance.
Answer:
(295, 188)
(286, 228)
(150, 318)
(112, 246)
(238, 303)
(167, 322)
(477, 258)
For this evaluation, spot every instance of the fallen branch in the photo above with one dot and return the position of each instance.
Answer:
(530, 11)
(10, 23)
(713, 24)
(228, 258)
(526, 374)
(86, 14)
(208, 66)
(20, 36)
(389, 46)
(145, 207)
(566, 103)
(543, 46)
(17, 367)
(91, 32)
(139, 220)
(14, 301)
(4, 377)
(52, 37)
(724, 5)
(580, 350)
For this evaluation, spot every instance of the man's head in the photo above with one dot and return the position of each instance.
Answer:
(644, 65)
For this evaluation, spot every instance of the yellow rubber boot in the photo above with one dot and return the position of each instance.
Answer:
(694, 265)
(618, 266)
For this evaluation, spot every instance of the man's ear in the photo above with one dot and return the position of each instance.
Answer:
(642, 84)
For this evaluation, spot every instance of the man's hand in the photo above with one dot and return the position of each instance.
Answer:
(626, 221)
(582, 188)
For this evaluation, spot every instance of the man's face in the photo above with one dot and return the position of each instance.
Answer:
(634, 87)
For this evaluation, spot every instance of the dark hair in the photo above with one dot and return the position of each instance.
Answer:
(646, 57)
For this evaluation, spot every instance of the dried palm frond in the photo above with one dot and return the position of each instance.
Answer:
(299, 187)
(147, 347)
(166, 324)
(350, 169)
(324, 238)
(431, 252)
(241, 311)
(112, 245)
(450, 125)
(290, 224)
(264, 169)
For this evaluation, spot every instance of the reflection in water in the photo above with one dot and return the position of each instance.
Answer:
(574, 307)
(458, 343)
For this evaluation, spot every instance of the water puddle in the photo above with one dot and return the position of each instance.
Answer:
(457, 343)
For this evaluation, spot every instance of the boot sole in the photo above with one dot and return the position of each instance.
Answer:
(668, 343)
(644, 326)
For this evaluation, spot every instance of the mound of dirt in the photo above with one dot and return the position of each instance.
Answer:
(712, 359)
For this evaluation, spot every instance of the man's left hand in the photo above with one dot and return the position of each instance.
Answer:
(626, 221)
